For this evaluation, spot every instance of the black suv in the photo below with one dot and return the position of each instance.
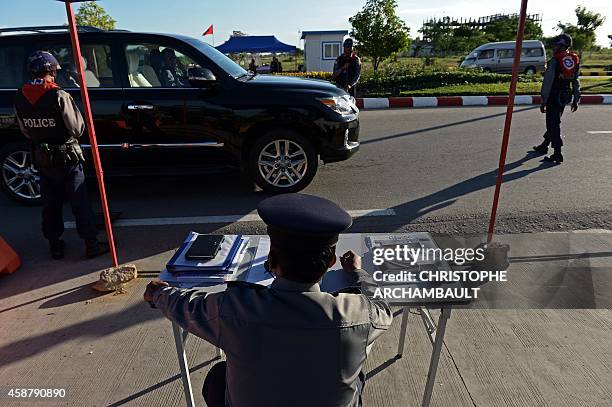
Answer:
(173, 104)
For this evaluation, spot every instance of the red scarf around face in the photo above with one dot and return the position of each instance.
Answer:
(36, 89)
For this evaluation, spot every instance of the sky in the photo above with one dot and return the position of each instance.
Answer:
(286, 19)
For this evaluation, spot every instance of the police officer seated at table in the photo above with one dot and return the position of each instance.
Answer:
(289, 344)
(49, 118)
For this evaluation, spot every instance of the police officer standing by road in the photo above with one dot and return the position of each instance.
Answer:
(289, 344)
(347, 69)
(49, 118)
(560, 87)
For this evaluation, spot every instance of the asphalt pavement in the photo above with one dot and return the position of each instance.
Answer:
(426, 169)
(418, 169)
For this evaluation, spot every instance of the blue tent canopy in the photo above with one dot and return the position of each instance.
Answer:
(254, 44)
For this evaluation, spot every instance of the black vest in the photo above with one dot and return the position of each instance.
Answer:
(43, 119)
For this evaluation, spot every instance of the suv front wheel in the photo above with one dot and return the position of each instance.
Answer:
(18, 177)
(283, 161)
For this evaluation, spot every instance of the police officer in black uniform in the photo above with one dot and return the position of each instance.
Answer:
(347, 69)
(49, 118)
(557, 92)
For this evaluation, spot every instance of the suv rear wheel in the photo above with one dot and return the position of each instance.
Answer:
(18, 177)
(283, 161)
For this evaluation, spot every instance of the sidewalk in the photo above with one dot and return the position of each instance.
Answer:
(115, 350)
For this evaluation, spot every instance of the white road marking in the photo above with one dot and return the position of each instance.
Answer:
(375, 103)
(250, 217)
(523, 100)
(475, 100)
(425, 101)
(600, 132)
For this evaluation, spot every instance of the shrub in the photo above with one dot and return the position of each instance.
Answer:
(394, 80)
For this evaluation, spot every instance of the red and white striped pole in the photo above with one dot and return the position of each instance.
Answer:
(78, 62)
(509, 110)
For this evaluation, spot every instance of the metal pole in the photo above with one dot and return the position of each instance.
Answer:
(76, 49)
(508, 123)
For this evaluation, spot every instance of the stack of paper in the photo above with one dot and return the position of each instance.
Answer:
(217, 269)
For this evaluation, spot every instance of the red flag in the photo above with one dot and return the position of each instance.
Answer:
(208, 31)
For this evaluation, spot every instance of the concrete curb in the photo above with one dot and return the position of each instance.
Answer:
(441, 101)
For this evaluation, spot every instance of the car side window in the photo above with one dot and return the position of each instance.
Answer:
(156, 66)
(532, 52)
(12, 66)
(505, 53)
(97, 65)
(486, 54)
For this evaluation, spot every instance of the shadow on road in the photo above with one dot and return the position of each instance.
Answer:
(419, 207)
(442, 126)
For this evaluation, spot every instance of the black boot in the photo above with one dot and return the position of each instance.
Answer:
(95, 248)
(56, 247)
(542, 149)
(556, 158)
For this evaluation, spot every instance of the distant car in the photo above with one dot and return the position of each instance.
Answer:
(169, 104)
(499, 56)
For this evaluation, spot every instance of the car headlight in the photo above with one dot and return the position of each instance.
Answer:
(340, 104)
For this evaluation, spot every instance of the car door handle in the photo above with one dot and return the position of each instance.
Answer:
(140, 107)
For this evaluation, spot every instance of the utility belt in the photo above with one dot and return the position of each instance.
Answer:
(57, 155)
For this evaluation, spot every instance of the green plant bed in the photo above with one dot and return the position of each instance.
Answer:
(489, 89)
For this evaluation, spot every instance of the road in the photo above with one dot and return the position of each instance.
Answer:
(434, 168)
(431, 170)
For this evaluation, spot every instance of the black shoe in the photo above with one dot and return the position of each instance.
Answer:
(542, 149)
(556, 158)
(57, 249)
(95, 248)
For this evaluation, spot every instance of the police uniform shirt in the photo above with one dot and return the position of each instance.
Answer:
(47, 114)
(286, 345)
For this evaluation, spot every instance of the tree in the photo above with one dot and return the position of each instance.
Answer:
(466, 38)
(440, 35)
(92, 14)
(505, 29)
(379, 32)
(583, 33)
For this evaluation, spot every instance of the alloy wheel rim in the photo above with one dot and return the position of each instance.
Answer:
(20, 176)
(282, 163)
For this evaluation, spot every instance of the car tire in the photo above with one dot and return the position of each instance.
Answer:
(18, 178)
(277, 172)
(530, 70)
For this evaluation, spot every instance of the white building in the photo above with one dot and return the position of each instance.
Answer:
(321, 48)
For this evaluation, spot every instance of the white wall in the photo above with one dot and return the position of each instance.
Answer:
(313, 49)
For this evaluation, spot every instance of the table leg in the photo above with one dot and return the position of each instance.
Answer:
(435, 355)
(403, 329)
(182, 359)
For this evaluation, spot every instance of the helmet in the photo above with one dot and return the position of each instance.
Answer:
(564, 40)
(42, 61)
(348, 42)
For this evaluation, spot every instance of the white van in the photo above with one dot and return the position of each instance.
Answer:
(499, 56)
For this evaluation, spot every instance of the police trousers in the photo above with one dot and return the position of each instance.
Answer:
(213, 390)
(58, 184)
(554, 111)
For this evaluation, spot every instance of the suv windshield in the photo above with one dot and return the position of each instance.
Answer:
(219, 58)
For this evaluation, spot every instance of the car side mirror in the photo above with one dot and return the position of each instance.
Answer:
(201, 77)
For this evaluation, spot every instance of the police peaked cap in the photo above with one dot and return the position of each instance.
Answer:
(303, 222)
